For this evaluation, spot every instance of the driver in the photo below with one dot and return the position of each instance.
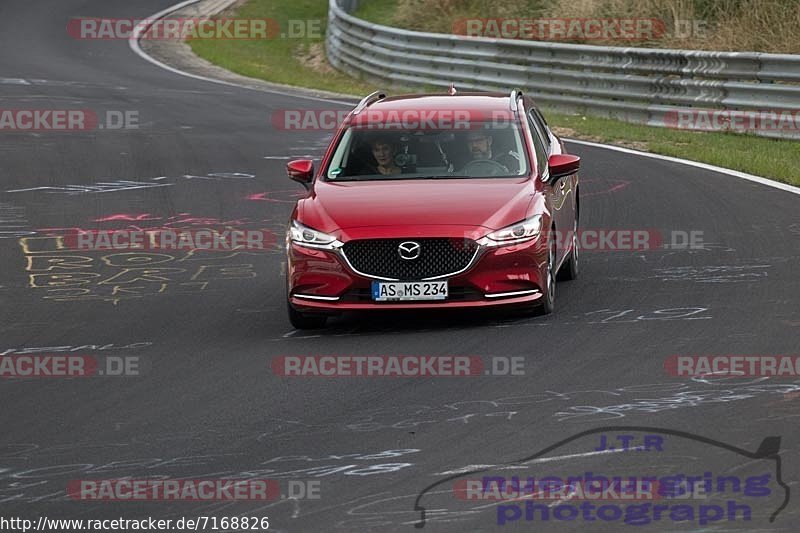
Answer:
(479, 144)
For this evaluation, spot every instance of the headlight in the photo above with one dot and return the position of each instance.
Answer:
(526, 230)
(305, 236)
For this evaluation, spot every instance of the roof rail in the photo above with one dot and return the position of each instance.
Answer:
(512, 104)
(369, 99)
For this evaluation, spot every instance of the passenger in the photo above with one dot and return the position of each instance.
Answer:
(383, 150)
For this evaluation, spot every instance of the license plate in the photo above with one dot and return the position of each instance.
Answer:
(408, 290)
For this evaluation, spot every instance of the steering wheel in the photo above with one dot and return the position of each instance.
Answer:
(478, 168)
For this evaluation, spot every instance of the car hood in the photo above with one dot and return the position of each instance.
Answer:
(490, 203)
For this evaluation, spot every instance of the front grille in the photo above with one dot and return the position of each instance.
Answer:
(438, 257)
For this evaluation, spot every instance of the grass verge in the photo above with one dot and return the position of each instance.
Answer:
(292, 61)
(301, 62)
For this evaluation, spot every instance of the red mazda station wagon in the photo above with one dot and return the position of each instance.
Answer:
(433, 201)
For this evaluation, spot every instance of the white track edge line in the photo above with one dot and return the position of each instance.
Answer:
(696, 164)
(133, 43)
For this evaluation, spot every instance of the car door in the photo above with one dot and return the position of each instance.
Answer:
(558, 192)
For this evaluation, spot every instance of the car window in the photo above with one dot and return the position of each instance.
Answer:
(542, 151)
(484, 149)
(541, 126)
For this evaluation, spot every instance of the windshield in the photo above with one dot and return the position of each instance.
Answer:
(481, 150)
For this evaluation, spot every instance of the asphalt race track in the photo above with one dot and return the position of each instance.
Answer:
(207, 403)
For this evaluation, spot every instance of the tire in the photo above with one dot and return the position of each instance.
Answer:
(547, 304)
(549, 297)
(303, 321)
(569, 270)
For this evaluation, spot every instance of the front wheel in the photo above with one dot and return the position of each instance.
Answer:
(303, 321)
(549, 297)
(569, 270)
(546, 304)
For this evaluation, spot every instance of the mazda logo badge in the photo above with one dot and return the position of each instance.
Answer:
(409, 250)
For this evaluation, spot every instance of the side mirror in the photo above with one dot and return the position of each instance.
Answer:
(301, 170)
(562, 165)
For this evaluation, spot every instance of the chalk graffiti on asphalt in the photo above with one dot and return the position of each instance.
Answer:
(68, 277)
(118, 185)
(13, 223)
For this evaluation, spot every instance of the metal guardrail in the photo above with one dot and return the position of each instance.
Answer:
(641, 85)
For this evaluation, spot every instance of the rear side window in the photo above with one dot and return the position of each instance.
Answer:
(542, 149)
(541, 126)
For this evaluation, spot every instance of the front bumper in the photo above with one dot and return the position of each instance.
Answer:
(323, 281)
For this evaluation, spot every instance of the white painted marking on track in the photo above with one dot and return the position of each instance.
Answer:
(462, 470)
(133, 42)
(743, 175)
(470, 468)
(570, 456)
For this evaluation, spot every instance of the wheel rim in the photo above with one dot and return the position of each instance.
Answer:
(551, 278)
(575, 245)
